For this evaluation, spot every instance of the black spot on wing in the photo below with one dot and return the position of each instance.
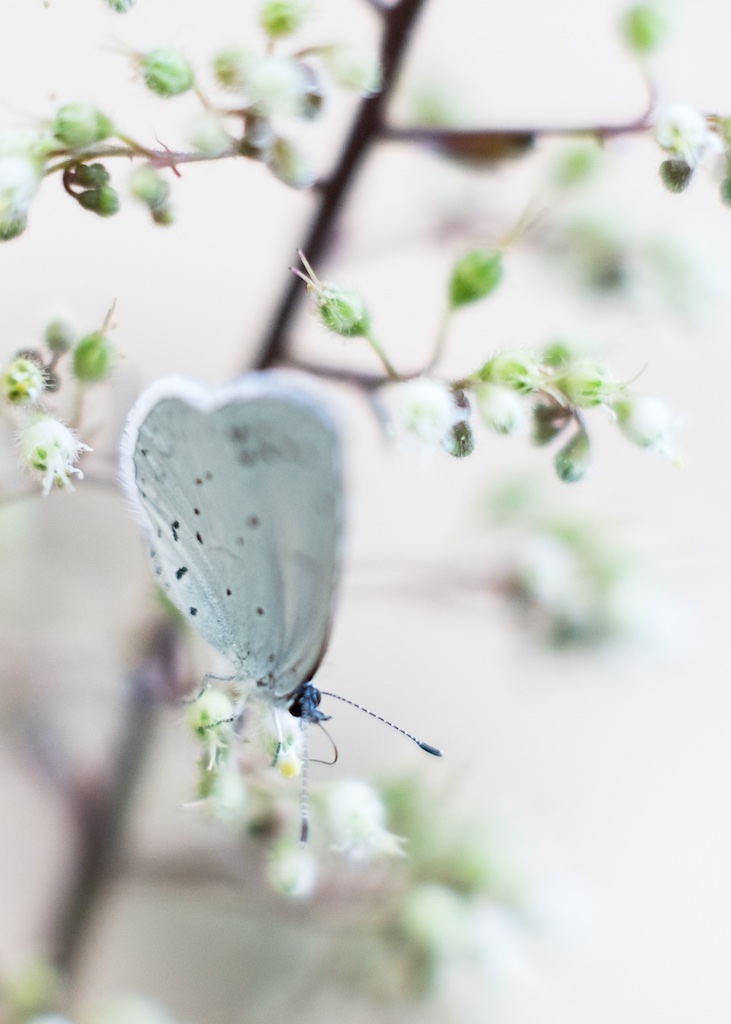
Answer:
(259, 611)
(193, 611)
(199, 538)
(197, 511)
(179, 573)
(228, 592)
(253, 521)
(175, 526)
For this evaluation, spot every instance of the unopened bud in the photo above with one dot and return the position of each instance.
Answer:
(103, 201)
(283, 17)
(80, 124)
(459, 440)
(287, 163)
(675, 175)
(93, 358)
(167, 72)
(573, 460)
(475, 276)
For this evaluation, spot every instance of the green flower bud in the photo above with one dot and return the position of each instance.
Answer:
(646, 422)
(167, 72)
(726, 191)
(475, 276)
(90, 175)
(287, 163)
(93, 358)
(558, 353)
(149, 186)
(233, 68)
(121, 6)
(103, 201)
(343, 312)
(584, 383)
(517, 370)
(12, 224)
(22, 382)
(208, 134)
(675, 175)
(258, 140)
(58, 337)
(577, 165)
(163, 216)
(548, 422)
(353, 68)
(211, 714)
(459, 441)
(645, 27)
(80, 124)
(283, 17)
(573, 460)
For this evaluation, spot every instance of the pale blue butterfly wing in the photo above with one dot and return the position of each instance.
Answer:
(241, 495)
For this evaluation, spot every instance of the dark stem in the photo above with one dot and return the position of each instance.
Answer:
(101, 805)
(367, 127)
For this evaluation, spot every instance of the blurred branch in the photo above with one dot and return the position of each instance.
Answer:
(101, 804)
(367, 127)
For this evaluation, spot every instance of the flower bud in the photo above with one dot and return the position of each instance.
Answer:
(292, 870)
(283, 17)
(80, 124)
(682, 132)
(278, 86)
(19, 177)
(148, 185)
(645, 27)
(435, 918)
(584, 383)
(259, 138)
(232, 68)
(210, 714)
(89, 175)
(167, 72)
(573, 460)
(49, 449)
(287, 163)
(163, 216)
(548, 421)
(121, 6)
(475, 276)
(675, 175)
(208, 134)
(22, 382)
(517, 370)
(459, 441)
(646, 422)
(103, 201)
(423, 408)
(355, 817)
(353, 68)
(93, 358)
(501, 409)
(58, 337)
(558, 353)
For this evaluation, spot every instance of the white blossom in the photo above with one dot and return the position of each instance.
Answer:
(424, 409)
(50, 449)
(356, 821)
(683, 132)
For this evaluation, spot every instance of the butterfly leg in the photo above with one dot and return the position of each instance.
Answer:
(208, 678)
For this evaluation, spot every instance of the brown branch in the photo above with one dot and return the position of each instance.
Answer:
(101, 804)
(366, 129)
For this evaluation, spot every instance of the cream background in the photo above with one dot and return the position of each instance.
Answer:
(618, 769)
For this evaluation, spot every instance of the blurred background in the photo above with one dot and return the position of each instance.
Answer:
(599, 754)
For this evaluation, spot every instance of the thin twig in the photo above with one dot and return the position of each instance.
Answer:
(367, 128)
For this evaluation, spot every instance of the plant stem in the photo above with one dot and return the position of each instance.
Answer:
(101, 805)
(367, 128)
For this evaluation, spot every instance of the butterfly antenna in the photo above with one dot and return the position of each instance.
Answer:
(409, 735)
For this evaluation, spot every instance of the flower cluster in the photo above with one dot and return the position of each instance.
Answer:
(349, 817)
(30, 381)
(546, 394)
(270, 90)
